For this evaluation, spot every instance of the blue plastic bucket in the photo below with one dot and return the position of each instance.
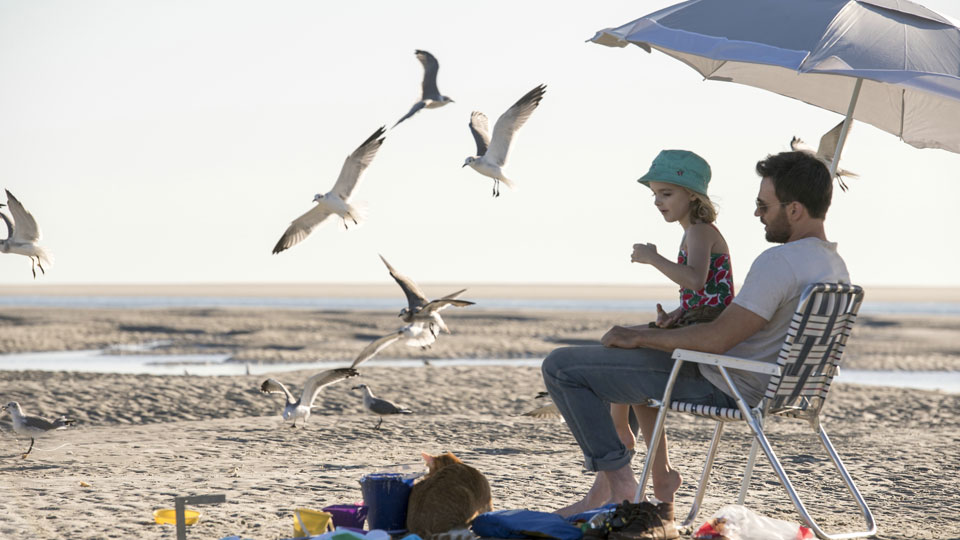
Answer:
(386, 495)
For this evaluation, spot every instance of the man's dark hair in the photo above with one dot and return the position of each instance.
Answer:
(801, 177)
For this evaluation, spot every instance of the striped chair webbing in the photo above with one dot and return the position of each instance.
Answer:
(707, 411)
(813, 347)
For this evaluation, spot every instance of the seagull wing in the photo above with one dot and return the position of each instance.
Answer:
(376, 346)
(26, 227)
(273, 386)
(509, 122)
(437, 305)
(828, 143)
(356, 163)
(300, 228)
(9, 224)
(413, 110)
(546, 411)
(481, 131)
(311, 388)
(415, 297)
(430, 68)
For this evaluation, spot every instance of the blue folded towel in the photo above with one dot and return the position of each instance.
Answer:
(524, 524)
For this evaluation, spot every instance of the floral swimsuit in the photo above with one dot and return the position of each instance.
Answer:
(718, 290)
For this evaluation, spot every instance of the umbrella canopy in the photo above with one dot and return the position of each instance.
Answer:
(890, 63)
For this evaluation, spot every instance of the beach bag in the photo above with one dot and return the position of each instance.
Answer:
(524, 524)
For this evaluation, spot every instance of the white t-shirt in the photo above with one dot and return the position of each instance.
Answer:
(772, 290)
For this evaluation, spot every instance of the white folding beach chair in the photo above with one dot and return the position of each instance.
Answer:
(799, 382)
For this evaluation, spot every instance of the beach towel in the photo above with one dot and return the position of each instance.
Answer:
(524, 524)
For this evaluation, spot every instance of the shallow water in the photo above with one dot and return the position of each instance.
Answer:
(112, 361)
(321, 303)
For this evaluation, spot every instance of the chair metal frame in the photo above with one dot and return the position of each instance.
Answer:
(799, 382)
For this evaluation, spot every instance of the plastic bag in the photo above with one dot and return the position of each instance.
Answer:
(737, 522)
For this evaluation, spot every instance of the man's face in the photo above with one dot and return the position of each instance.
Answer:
(772, 213)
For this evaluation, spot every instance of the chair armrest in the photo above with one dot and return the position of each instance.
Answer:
(726, 361)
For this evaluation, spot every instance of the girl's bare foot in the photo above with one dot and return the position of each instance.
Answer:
(665, 486)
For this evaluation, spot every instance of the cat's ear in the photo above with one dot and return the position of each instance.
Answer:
(428, 458)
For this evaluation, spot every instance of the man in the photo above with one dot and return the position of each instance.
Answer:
(634, 362)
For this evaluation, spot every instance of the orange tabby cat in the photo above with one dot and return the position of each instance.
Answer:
(448, 497)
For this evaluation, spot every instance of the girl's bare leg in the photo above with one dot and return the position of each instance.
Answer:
(621, 419)
(666, 479)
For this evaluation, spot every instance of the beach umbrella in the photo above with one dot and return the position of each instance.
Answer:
(889, 63)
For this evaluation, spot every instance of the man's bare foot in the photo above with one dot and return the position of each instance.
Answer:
(666, 486)
(596, 497)
(623, 484)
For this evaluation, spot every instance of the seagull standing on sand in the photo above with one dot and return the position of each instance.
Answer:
(380, 407)
(23, 235)
(300, 408)
(828, 147)
(430, 97)
(492, 152)
(336, 201)
(32, 426)
(421, 314)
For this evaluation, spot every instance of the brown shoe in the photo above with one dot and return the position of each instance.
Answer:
(646, 521)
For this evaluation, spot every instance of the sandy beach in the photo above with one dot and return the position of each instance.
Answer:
(141, 440)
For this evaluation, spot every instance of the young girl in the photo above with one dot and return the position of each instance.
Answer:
(678, 179)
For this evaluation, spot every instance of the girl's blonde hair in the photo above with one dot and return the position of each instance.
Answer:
(702, 209)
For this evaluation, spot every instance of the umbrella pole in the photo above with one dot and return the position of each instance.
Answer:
(846, 127)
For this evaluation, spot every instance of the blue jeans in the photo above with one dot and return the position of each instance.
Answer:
(584, 381)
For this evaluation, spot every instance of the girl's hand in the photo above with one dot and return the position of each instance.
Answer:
(664, 319)
(644, 253)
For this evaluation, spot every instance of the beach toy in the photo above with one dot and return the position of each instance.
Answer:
(307, 522)
(168, 516)
(386, 495)
(347, 515)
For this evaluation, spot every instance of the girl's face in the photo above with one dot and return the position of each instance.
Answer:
(672, 201)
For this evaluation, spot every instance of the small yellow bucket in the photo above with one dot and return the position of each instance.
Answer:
(307, 522)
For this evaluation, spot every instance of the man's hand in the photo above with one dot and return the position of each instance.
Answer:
(622, 337)
(644, 253)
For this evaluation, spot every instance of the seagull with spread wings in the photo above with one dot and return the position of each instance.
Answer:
(23, 236)
(422, 316)
(430, 97)
(300, 408)
(492, 151)
(336, 201)
(825, 152)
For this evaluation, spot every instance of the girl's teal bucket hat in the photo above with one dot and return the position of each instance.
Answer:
(679, 167)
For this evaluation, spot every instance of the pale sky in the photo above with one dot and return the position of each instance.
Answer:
(173, 142)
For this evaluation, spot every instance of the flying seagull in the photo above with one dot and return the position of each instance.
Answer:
(492, 152)
(417, 335)
(828, 146)
(23, 235)
(336, 201)
(421, 309)
(430, 97)
(380, 407)
(32, 426)
(300, 408)
(422, 316)
(549, 410)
